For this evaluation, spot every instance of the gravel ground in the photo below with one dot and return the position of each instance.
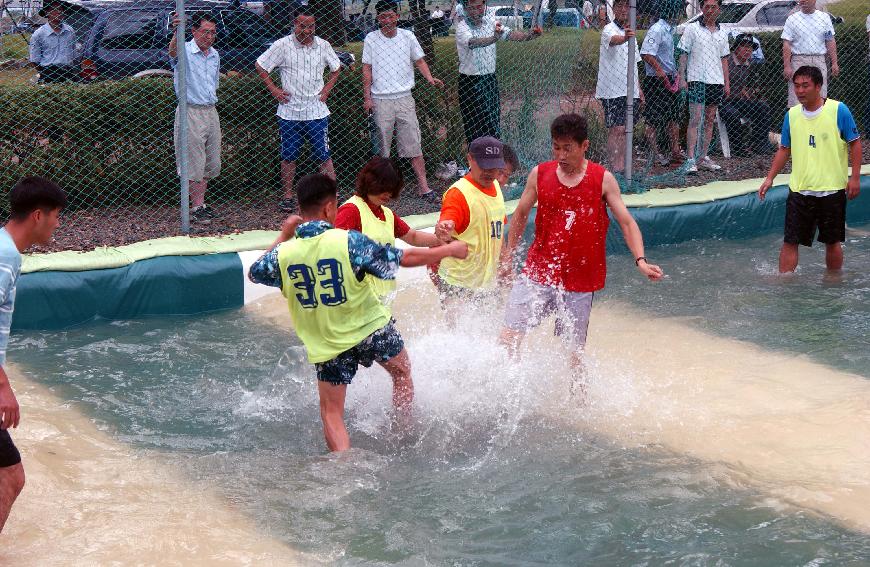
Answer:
(92, 228)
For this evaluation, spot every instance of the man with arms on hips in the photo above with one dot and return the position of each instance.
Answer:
(660, 83)
(821, 137)
(53, 46)
(479, 100)
(473, 211)
(704, 72)
(611, 88)
(566, 262)
(336, 313)
(389, 57)
(203, 125)
(303, 115)
(807, 36)
(34, 206)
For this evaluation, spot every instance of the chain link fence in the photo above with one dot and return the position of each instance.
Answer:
(89, 99)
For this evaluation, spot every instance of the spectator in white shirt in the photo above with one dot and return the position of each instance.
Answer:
(611, 88)
(704, 73)
(808, 35)
(303, 115)
(389, 57)
(479, 101)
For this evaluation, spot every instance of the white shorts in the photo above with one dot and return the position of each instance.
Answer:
(530, 303)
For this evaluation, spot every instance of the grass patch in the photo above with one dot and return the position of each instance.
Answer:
(853, 12)
(14, 46)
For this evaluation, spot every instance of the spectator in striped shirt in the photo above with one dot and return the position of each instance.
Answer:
(34, 206)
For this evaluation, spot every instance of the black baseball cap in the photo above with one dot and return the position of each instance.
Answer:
(488, 152)
(744, 39)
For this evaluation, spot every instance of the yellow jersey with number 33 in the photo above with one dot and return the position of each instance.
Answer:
(332, 311)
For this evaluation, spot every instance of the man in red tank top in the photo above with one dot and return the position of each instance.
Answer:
(566, 262)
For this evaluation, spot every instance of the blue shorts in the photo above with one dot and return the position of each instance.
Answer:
(380, 346)
(294, 133)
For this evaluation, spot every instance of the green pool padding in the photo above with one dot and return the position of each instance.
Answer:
(104, 258)
(168, 285)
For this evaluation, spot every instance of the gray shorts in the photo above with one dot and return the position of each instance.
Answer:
(398, 114)
(203, 142)
(530, 303)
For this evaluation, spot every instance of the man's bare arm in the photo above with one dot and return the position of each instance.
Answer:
(787, 71)
(630, 231)
(367, 86)
(853, 187)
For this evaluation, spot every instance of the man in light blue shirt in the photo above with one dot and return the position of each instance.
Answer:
(660, 84)
(34, 206)
(53, 46)
(204, 129)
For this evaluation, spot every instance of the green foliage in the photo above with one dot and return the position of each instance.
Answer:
(14, 46)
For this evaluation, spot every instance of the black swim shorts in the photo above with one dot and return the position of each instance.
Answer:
(805, 213)
(380, 346)
(9, 454)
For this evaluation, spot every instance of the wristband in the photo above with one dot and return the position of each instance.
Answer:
(638, 259)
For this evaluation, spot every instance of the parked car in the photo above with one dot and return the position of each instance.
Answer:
(505, 15)
(121, 40)
(753, 16)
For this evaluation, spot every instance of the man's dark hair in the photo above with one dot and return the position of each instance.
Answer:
(811, 72)
(510, 157)
(571, 126)
(33, 193)
(199, 17)
(669, 9)
(615, 2)
(379, 175)
(386, 6)
(303, 11)
(314, 190)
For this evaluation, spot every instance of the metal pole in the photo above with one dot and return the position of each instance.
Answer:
(631, 72)
(536, 13)
(181, 71)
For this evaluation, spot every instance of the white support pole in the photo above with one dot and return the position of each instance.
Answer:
(181, 70)
(631, 73)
